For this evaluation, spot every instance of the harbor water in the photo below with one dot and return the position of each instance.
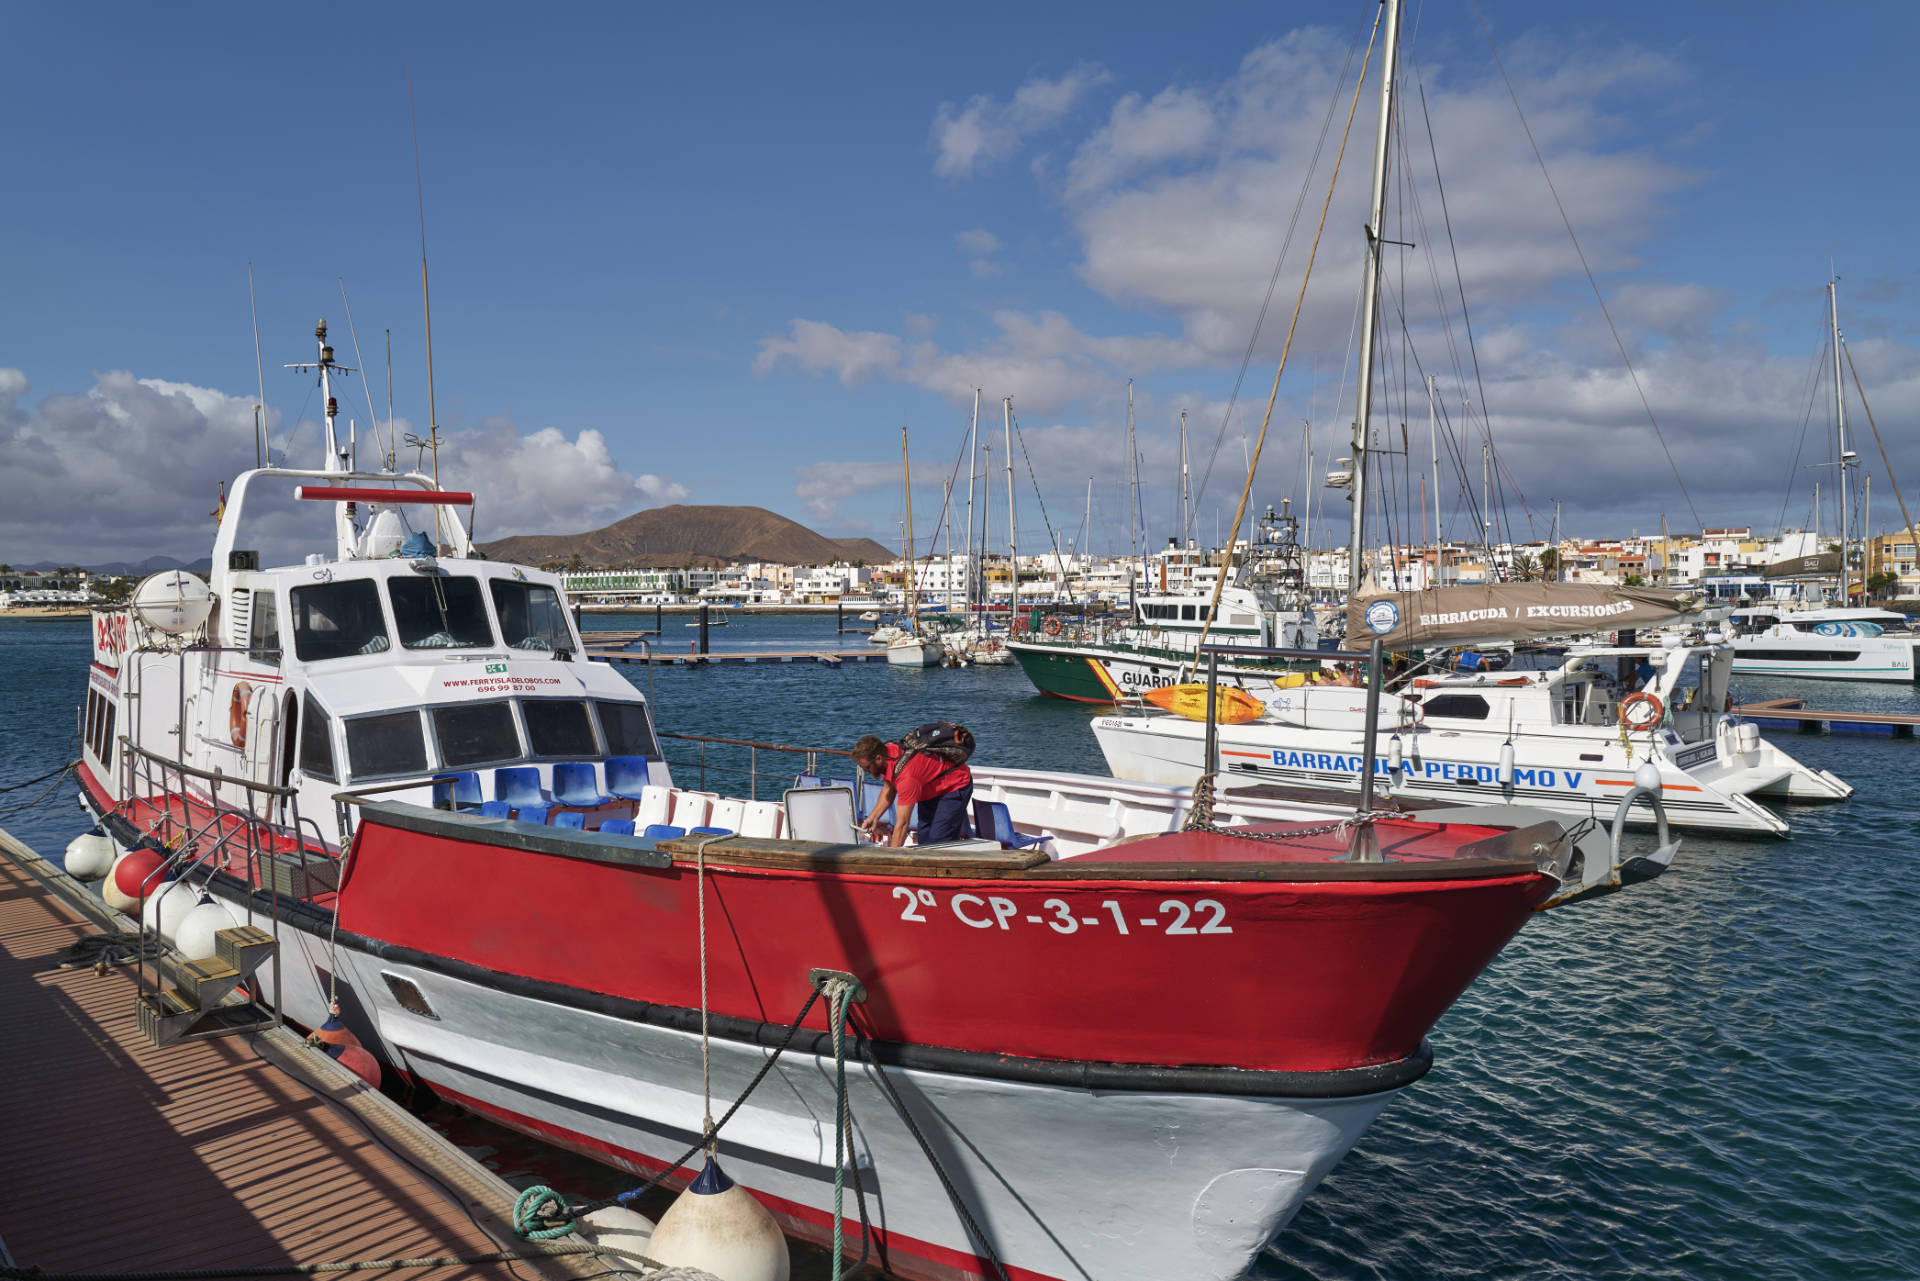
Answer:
(1712, 1076)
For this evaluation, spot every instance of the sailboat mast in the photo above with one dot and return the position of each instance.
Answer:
(1370, 303)
(1013, 530)
(1133, 504)
(1186, 512)
(1433, 432)
(973, 462)
(906, 474)
(1840, 424)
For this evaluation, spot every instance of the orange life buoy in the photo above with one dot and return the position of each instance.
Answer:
(1632, 714)
(1053, 627)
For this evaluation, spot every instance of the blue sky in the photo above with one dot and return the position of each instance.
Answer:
(737, 248)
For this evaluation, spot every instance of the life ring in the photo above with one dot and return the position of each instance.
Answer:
(1052, 627)
(1641, 710)
(237, 714)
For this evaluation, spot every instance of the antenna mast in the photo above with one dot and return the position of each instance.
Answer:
(426, 298)
(260, 408)
(1840, 422)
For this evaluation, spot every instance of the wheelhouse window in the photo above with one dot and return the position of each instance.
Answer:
(476, 734)
(531, 617)
(627, 729)
(1458, 707)
(263, 630)
(337, 620)
(387, 744)
(558, 727)
(435, 612)
(316, 740)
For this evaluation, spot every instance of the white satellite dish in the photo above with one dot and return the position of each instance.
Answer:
(173, 601)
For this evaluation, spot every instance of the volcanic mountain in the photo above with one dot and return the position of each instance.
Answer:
(665, 537)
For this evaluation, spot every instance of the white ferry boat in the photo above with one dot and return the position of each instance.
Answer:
(1824, 643)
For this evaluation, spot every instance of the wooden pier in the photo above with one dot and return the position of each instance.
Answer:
(248, 1151)
(1793, 714)
(830, 658)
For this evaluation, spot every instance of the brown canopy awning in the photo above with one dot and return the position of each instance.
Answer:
(1823, 565)
(1481, 614)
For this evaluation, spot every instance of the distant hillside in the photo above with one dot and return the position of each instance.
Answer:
(151, 565)
(663, 537)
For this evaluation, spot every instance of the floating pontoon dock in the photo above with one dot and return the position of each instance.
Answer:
(1792, 713)
(246, 1151)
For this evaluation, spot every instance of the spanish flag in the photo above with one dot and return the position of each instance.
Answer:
(219, 513)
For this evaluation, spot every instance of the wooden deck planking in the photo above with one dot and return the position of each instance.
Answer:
(121, 1156)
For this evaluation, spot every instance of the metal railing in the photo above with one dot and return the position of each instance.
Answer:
(729, 763)
(212, 837)
(1365, 847)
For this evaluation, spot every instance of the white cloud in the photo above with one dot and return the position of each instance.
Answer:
(132, 467)
(822, 486)
(985, 268)
(1175, 124)
(970, 138)
(979, 241)
(817, 346)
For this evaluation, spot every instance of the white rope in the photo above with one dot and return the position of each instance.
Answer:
(706, 1048)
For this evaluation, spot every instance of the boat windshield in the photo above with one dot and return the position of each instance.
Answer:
(432, 612)
(627, 729)
(337, 620)
(531, 616)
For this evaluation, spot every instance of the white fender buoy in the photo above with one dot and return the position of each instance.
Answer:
(615, 1227)
(1647, 776)
(1746, 737)
(166, 908)
(1395, 760)
(132, 877)
(90, 855)
(717, 1225)
(194, 939)
(1505, 773)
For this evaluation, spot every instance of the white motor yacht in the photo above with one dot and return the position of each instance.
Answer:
(1850, 644)
(1571, 740)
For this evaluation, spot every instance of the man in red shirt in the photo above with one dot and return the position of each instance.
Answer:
(941, 789)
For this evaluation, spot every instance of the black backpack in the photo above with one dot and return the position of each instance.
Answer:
(951, 743)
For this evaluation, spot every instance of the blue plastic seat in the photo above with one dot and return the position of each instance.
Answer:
(495, 809)
(533, 813)
(807, 780)
(574, 784)
(710, 831)
(457, 791)
(663, 831)
(868, 796)
(993, 820)
(626, 776)
(570, 818)
(618, 827)
(519, 786)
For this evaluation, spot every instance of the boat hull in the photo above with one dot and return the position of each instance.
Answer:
(1094, 674)
(1167, 750)
(1808, 656)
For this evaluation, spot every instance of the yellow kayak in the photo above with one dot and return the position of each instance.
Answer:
(1232, 705)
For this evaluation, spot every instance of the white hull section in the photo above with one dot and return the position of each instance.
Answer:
(1579, 777)
(1834, 658)
(913, 652)
(1067, 1183)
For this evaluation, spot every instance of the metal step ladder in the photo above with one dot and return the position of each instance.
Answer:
(192, 1009)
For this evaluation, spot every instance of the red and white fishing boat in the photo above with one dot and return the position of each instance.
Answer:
(1128, 1051)
(1132, 1051)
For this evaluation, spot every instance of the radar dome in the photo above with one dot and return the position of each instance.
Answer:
(174, 602)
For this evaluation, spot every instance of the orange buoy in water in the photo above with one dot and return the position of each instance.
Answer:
(1232, 705)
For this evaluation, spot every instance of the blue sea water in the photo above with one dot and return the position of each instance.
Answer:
(1711, 1076)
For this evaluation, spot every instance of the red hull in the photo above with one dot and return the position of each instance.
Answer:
(1311, 975)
